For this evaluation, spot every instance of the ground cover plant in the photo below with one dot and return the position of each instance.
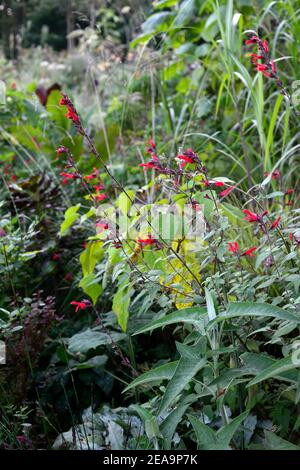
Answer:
(149, 229)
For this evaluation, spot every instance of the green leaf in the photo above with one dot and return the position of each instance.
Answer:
(91, 287)
(91, 339)
(157, 22)
(207, 439)
(71, 215)
(164, 372)
(121, 303)
(90, 257)
(226, 433)
(169, 425)
(283, 365)
(190, 315)
(242, 309)
(185, 13)
(56, 111)
(273, 442)
(257, 363)
(186, 369)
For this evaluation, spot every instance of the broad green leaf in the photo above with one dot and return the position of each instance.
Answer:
(273, 442)
(185, 13)
(169, 425)
(157, 22)
(211, 312)
(121, 303)
(242, 309)
(71, 215)
(206, 437)
(56, 111)
(258, 363)
(91, 287)
(164, 372)
(91, 339)
(186, 369)
(90, 257)
(226, 433)
(283, 365)
(190, 315)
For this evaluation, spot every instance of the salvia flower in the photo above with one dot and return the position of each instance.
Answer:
(252, 217)
(233, 247)
(275, 223)
(226, 191)
(69, 176)
(71, 113)
(62, 149)
(266, 65)
(249, 252)
(149, 241)
(82, 305)
(93, 175)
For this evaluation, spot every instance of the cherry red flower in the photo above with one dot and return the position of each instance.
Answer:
(81, 305)
(69, 176)
(289, 191)
(100, 197)
(93, 175)
(213, 182)
(249, 252)
(98, 187)
(233, 247)
(226, 191)
(55, 256)
(251, 216)
(275, 223)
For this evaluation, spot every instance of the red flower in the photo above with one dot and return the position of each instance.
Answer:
(100, 197)
(72, 113)
(226, 191)
(81, 305)
(55, 256)
(215, 183)
(147, 241)
(98, 187)
(275, 223)
(185, 158)
(249, 252)
(233, 247)
(289, 191)
(251, 216)
(152, 146)
(68, 176)
(93, 175)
